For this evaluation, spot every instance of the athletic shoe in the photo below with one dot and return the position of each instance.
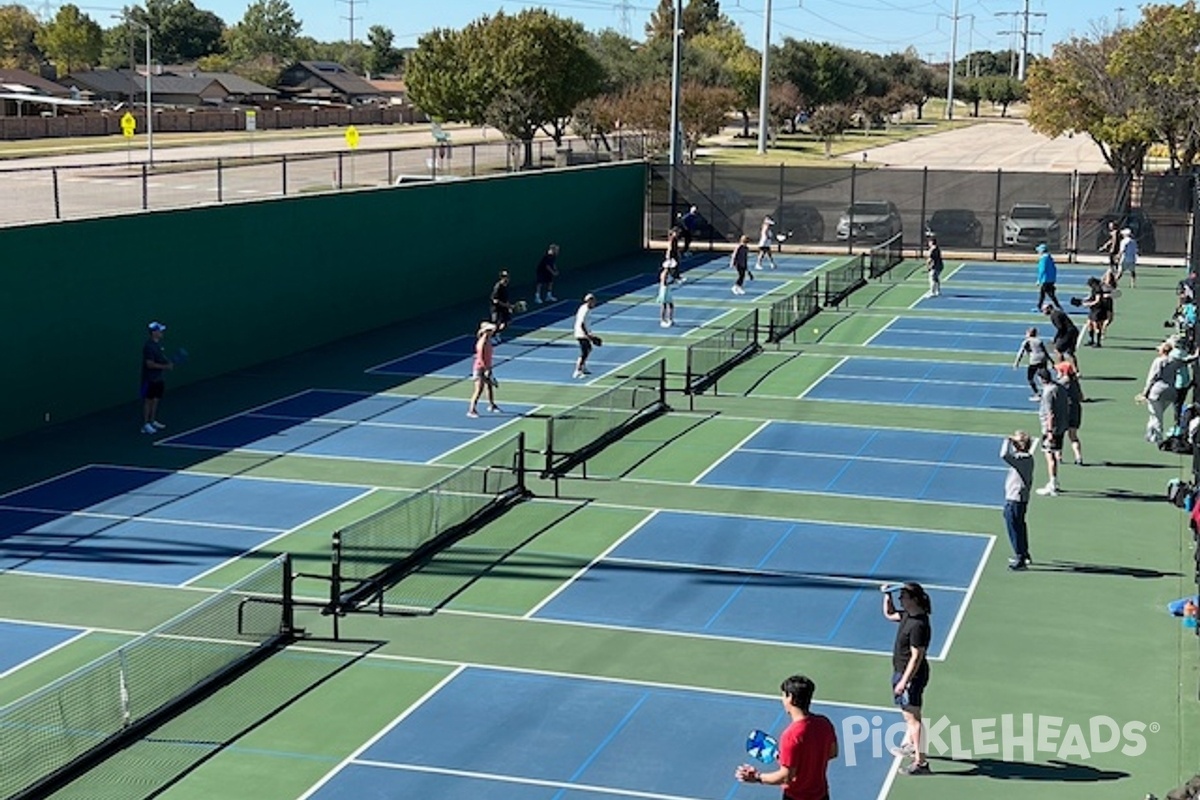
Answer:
(1035, 397)
(1079, 462)
(158, 426)
(551, 298)
(664, 324)
(494, 409)
(905, 749)
(916, 769)
(537, 300)
(1018, 564)
(148, 428)
(473, 414)
(1049, 490)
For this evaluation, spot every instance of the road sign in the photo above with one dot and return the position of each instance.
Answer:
(128, 125)
(352, 137)
(251, 120)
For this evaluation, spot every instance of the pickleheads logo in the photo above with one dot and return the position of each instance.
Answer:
(1010, 737)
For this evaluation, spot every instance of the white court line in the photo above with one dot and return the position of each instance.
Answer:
(823, 376)
(44, 653)
(696, 480)
(893, 405)
(383, 732)
(281, 535)
(874, 459)
(562, 587)
(873, 336)
(962, 611)
(142, 518)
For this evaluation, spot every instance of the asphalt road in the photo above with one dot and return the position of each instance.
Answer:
(46, 188)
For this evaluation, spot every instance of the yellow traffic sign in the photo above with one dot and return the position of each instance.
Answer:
(128, 125)
(352, 137)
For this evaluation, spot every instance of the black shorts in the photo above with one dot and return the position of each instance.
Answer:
(1052, 441)
(153, 390)
(916, 689)
(1067, 346)
(585, 346)
(501, 316)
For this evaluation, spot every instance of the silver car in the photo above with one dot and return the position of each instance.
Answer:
(1031, 224)
(869, 221)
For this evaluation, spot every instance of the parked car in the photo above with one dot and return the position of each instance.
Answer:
(802, 220)
(955, 227)
(872, 220)
(1031, 224)
(1138, 223)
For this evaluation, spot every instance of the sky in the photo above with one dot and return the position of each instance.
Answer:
(882, 26)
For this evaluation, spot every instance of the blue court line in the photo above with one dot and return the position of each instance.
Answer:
(837, 626)
(762, 562)
(587, 762)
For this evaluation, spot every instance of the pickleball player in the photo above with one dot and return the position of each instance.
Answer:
(806, 747)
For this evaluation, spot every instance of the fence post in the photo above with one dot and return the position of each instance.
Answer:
(339, 170)
(145, 188)
(220, 182)
(850, 216)
(997, 234)
(779, 208)
(924, 209)
(390, 153)
(54, 180)
(283, 173)
(1073, 219)
(473, 148)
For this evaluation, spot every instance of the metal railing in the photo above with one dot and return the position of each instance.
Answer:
(125, 185)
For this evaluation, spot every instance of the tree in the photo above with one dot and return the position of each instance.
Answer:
(1074, 91)
(1004, 91)
(784, 102)
(699, 16)
(18, 39)
(627, 63)
(382, 56)
(739, 67)
(970, 91)
(268, 28)
(702, 112)
(519, 73)
(182, 32)
(1158, 57)
(72, 39)
(829, 121)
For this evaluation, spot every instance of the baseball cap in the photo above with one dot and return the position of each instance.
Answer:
(156, 326)
(1041, 248)
(1127, 231)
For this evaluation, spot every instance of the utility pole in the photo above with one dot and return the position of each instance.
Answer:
(953, 59)
(765, 81)
(1011, 33)
(624, 8)
(676, 100)
(1025, 34)
(350, 16)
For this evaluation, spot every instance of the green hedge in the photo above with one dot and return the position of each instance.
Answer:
(246, 283)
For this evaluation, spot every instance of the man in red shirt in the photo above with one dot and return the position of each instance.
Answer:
(806, 747)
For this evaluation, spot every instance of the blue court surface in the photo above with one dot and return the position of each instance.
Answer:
(1073, 276)
(640, 318)
(927, 466)
(997, 301)
(936, 384)
(523, 359)
(358, 425)
(152, 526)
(508, 735)
(26, 641)
(965, 335)
(711, 575)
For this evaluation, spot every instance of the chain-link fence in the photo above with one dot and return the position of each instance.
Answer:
(42, 194)
(851, 208)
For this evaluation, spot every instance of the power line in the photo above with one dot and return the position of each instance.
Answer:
(350, 17)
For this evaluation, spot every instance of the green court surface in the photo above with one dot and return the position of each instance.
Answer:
(1081, 638)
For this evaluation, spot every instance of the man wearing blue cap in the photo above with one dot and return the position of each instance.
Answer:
(154, 364)
(1047, 275)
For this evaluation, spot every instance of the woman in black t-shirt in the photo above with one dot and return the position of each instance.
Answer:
(910, 665)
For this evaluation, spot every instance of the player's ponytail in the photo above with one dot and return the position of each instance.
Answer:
(917, 592)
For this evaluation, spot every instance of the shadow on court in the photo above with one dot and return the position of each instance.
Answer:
(1117, 570)
(1053, 770)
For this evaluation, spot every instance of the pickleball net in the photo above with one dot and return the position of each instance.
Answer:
(576, 434)
(788, 313)
(371, 555)
(61, 730)
(883, 257)
(720, 351)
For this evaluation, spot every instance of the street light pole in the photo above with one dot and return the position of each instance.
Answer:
(953, 58)
(676, 66)
(149, 103)
(764, 81)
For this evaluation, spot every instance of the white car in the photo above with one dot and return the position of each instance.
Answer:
(1031, 224)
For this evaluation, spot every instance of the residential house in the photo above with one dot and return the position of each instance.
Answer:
(326, 82)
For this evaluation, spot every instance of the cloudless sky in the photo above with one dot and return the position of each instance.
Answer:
(882, 26)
